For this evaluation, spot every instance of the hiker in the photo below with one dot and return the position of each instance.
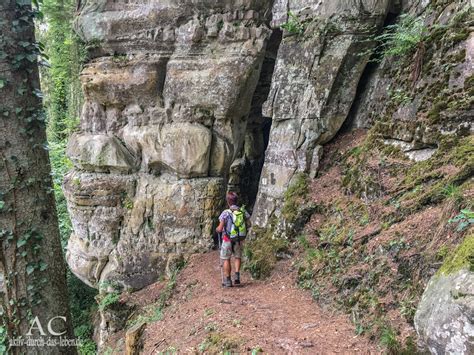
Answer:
(233, 224)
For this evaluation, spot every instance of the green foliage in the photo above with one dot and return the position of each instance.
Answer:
(400, 97)
(294, 25)
(453, 191)
(388, 338)
(108, 300)
(63, 99)
(60, 80)
(261, 252)
(402, 38)
(60, 164)
(3, 340)
(297, 190)
(464, 219)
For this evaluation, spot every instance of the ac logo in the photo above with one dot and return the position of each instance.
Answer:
(36, 324)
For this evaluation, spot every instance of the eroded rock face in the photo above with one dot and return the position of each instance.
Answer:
(167, 96)
(445, 316)
(428, 95)
(313, 87)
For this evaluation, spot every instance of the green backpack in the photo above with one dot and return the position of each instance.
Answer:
(239, 229)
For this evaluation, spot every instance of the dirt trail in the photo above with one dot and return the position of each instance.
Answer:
(273, 315)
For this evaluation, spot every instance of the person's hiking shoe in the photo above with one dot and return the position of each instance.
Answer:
(228, 282)
(237, 278)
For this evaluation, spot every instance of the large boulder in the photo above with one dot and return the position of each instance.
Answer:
(312, 92)
(167, 91)
(444, 319)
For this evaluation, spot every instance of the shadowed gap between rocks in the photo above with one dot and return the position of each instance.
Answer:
(368, 74)
(245, 172)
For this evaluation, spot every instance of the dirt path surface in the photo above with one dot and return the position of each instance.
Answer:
(272, 315)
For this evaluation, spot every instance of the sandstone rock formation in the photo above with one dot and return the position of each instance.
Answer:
(409, 98)
(167, 96)
(318, 67)
(179, 99)
(445, 316)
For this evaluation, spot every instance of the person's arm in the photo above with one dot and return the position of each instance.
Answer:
(220, 227)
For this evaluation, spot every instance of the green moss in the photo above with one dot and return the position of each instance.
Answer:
(461, 257)
(127, 203)
(451, 151)
(297, 190)
(217, 343)
(434, 113)
(462, 35)
(442, 253)
(261, 252)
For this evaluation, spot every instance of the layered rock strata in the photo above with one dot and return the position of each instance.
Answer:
(167, 98)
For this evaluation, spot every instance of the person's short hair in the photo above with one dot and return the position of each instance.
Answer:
(232, 198)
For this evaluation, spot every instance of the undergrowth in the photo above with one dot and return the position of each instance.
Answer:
(382, 189)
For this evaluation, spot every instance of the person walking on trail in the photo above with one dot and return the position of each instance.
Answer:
(233, 224)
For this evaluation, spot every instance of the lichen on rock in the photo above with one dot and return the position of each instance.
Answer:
(444, 317)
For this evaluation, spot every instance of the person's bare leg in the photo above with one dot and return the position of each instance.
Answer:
(227, 268)
(237, 265)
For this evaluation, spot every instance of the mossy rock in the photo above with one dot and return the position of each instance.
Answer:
(261, 252)
(462, 257)
(297, 190)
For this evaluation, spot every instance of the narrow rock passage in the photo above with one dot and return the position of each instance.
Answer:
(272, 315)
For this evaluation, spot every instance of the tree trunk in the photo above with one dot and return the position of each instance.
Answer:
(31, 260)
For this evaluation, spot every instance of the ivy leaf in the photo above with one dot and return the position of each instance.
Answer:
(20, 243)
(43, 266)
(32, 57)
(29, 269)
(3, 82)
(19, 57)
(18, 110)
(2, 204)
